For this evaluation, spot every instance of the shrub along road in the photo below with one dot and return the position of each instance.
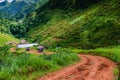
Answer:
(89, 68)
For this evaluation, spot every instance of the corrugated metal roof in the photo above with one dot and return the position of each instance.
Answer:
(26, 45)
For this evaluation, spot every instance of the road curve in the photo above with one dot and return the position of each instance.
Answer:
(89, 68)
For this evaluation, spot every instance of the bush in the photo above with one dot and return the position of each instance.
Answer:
(62, 57)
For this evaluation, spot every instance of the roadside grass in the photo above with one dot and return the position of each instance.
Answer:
(116, 73)
(112, 53)
(29, 67)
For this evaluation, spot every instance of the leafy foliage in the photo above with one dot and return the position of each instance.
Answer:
(95, 25)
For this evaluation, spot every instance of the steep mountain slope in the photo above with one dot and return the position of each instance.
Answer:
(12, 14)
(92, 24)
(12, 9)
(29, 8)
(5, 34)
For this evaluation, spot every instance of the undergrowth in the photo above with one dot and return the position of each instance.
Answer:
(23, 66)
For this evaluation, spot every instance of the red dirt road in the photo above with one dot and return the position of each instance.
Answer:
(89, 68)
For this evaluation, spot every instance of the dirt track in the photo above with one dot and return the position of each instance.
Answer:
(89, 68)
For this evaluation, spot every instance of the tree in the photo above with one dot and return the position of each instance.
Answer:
(84, 39)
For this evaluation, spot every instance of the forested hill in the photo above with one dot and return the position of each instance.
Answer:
(72, 23)
(18, 9)
(12, 15)
(76, 23)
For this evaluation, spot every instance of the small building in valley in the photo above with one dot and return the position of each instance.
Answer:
(26, 45)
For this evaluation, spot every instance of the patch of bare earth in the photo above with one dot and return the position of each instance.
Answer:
(36, 52)
(32, 51)
(89, 68)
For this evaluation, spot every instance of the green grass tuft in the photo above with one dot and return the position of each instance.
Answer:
(28, 67)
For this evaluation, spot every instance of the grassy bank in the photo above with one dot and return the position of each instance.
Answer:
(112, 53)
(23, 66)
(5, 38)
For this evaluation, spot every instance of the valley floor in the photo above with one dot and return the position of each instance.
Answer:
(89, 68)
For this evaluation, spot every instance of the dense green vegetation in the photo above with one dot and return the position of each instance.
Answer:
(18, 9)
(23, 66)
(13, 14)
(5, 38)
(83, 24)
(11, 10)
(89, 25)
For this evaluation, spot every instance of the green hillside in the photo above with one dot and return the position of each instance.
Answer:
(63, 27)
(5, 32)
(70, 23)
(5, 38)
(84, 24)
(18, 9)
